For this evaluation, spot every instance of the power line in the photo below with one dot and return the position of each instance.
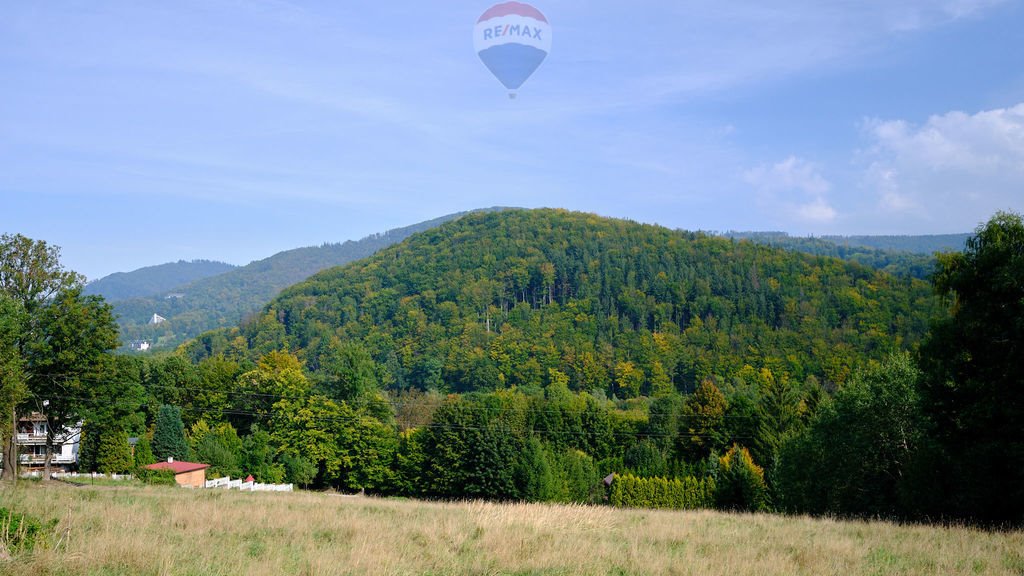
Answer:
(433, 425)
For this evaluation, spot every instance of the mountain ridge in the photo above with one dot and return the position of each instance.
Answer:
(154, 280)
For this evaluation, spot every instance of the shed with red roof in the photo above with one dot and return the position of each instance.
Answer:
(191, 474)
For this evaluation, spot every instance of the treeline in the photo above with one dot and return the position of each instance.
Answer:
(338, 428)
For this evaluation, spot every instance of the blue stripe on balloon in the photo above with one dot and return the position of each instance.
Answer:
(512, 63)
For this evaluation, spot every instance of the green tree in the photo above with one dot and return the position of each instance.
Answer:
(88, 448)
(120, 378)
(629, 379)
(169, 435)
(973, 387)
(298, 470)
(470, 452)
(114, 455)
(778, 415)
(258, 458)
(703, 421)
(31, 276)
(65, 362)
(12, 379)
(144, 452)
(740, 484)
(645, 459)
(663, 421)
(278, 375)
(534, 476)
(369, 450)
(348, 372)
(220, 447)
(857, 455)
(308, 428)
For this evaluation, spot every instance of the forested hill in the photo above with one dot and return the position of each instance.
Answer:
(225, 300)
(154, 280)
(528, 298)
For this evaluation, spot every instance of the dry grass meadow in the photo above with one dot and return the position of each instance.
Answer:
(149, 530)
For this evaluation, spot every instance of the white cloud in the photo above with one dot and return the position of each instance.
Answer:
(817, 210)
(791, 174)
(796, 186)
(956, 168)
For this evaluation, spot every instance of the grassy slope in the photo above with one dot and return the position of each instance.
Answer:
(177, 531)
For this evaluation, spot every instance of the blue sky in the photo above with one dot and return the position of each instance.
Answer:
(135, 133)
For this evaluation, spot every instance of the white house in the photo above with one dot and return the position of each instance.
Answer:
(31, 442)
(157, 319)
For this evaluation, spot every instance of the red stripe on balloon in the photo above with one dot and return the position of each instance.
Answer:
(512, 9)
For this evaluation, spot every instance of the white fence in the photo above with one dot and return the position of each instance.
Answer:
(229, 484)
(77, 476)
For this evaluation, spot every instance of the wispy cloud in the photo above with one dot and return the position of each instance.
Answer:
(796, 187)
(952, 165)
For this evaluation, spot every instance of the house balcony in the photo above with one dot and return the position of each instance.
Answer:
(39, 459)
(31, 439)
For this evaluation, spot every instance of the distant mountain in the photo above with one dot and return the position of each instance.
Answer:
(927, 244)
(898, 255)
(226, 299)
(154, 280)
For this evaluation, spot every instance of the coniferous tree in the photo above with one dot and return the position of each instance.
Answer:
(114, 455)
(740, 484)
(169, 435)
(144, 452)
(702, 421)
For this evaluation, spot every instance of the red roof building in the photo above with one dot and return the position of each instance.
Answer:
(191, 474)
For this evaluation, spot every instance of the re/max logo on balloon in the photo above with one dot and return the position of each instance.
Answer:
(513, 30)
(512, 39)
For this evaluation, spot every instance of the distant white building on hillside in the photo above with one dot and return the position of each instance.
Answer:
(139, 345)
(157, 319)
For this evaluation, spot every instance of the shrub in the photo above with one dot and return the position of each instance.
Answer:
(687, 494)
(156, 477)
(22, 533)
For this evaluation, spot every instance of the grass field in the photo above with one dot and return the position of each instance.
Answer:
(149, 530)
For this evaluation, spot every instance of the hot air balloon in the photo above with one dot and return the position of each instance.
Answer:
(512, 39)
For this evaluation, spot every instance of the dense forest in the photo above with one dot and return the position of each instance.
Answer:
(154, 280)
(226, 299)
(499, 300)
(554, 356)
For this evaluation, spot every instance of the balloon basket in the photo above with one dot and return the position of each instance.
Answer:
(511, 95)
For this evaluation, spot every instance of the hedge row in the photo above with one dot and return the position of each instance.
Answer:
(689, 493)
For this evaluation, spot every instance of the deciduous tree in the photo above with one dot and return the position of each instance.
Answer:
(973, 386)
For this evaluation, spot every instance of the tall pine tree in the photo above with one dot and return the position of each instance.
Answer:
(169, 435)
